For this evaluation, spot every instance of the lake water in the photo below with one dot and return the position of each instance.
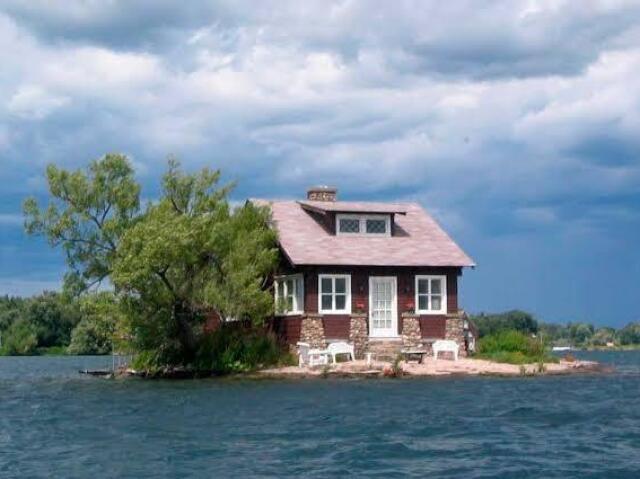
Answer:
(57, 423)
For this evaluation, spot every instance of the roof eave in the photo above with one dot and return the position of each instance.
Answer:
(316, 209)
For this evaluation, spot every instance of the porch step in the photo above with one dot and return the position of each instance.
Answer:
(384, 349)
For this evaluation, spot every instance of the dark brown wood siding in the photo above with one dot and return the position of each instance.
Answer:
(433, 326)
(337, 326)
(287, 328)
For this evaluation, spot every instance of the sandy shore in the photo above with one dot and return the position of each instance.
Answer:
(433, 367)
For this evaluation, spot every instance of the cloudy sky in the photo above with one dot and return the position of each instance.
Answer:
(516, 124)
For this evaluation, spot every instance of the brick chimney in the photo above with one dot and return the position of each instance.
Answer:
(322, 193)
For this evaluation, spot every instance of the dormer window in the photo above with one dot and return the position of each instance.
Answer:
(367, 225)
(348, 225)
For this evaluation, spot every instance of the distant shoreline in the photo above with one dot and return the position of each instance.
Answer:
(632, 347)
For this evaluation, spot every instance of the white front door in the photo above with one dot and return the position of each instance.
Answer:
(383, 321)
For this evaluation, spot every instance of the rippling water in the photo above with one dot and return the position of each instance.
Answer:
(56, 423)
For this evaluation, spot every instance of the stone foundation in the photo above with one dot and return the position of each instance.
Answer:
(455, 331)
(411, 334)
(359, 334)
(312, 331)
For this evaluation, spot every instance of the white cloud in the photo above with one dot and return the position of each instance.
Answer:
(33, 102)
(515, 123)
(416, 98)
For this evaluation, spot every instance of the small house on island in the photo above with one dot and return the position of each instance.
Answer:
(383, 276)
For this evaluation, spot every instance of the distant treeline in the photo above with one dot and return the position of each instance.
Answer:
(57, 323)
(577, 334)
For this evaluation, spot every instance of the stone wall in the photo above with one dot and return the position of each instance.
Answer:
(411, 335)
(455, 331)
(359, 334)
(312, 331)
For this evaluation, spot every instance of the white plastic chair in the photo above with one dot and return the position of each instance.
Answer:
(340, 347)
(445, 345)
(311, 357)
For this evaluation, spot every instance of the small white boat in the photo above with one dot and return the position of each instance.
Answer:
(561, 348)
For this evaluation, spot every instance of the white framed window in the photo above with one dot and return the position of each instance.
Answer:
(369, 225)
(289, 294)
(431, 294)
(334, 293)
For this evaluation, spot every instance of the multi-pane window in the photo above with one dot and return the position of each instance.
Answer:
(431, 294)
(349, 225)
(289, 294)
(378, 225)
(334, 293)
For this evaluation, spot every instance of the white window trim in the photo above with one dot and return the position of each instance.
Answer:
(363, 224)
(443, 282)
(347, 309)
(281, 280)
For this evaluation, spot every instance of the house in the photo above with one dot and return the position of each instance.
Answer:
(383, 276)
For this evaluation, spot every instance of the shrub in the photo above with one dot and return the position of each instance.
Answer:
(395, 370)
(146, 361)
(230, 349)
(513, 347)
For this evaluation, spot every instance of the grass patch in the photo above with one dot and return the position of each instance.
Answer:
(514, 347)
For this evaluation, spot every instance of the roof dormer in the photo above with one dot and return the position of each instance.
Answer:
(363, 224)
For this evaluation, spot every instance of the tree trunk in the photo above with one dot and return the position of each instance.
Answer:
(183, 316)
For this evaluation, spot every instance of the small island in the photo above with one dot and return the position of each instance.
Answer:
(197, 287)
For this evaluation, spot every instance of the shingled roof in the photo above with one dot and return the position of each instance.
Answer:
(418, 240)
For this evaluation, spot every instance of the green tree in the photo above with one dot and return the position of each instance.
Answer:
(53, 316)
(603, 336)
(507, 321)
(19, 339)
(11, 309)
(556, 333)
(630, 334)
(580, 333)
(190, 253)
(184, 255)
(88, 214)
(101, 319)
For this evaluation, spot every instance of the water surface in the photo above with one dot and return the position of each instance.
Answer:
(57, 423)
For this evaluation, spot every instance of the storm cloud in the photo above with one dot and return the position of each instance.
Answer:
(515, 123)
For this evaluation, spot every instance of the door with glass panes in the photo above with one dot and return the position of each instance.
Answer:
(383, 321)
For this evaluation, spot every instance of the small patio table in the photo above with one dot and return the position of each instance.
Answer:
(409, 354)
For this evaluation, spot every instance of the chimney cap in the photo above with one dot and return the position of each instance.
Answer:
(322, 193)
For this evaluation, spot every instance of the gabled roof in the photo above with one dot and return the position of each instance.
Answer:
(417, 241)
